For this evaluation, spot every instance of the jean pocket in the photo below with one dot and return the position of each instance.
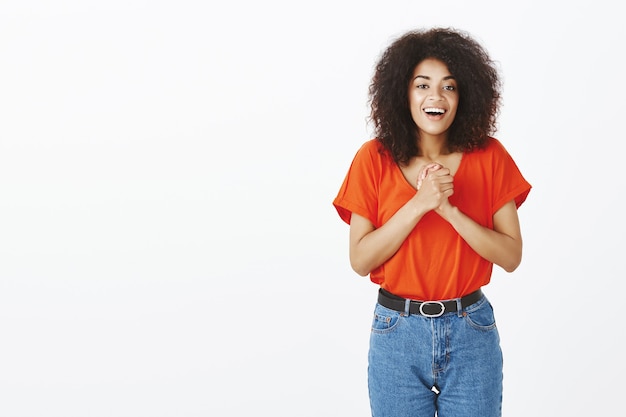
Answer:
(385, 319)
(480, 316)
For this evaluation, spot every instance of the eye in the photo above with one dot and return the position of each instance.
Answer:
(449, 88)
(422, 86)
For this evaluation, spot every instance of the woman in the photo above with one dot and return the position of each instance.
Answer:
(432, 205)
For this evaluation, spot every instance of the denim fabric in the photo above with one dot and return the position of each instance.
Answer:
(451, 365)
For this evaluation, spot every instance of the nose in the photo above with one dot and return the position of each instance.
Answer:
(435, 94)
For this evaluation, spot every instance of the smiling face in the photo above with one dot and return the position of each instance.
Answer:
(433, 98)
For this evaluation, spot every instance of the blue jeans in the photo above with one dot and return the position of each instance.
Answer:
(451, 365)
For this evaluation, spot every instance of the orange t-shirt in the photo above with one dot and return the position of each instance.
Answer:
(434, 262)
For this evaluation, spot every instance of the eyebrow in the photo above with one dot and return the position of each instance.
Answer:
(449, 77)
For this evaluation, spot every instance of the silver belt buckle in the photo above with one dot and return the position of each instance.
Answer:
(443, 309)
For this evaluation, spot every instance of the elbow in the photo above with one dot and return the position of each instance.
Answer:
(512, 257)
(359, 263)
(512, 264)
(359, 266)
(360, 269)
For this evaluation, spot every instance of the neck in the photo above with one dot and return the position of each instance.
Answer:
(432, 147)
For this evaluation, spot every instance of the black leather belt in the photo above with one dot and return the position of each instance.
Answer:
(426, 308)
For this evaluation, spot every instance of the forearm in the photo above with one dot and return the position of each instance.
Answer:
(370, 249)
(503, 248)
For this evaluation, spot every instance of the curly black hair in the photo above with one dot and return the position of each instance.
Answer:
(477, 79)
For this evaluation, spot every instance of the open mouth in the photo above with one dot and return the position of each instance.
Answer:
(434, 111)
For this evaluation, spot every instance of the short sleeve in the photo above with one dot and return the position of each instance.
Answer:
(359, 191)
(508, 181)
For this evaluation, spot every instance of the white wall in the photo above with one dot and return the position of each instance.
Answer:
(168, 245)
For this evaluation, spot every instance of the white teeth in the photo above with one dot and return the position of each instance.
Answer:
(434, 110)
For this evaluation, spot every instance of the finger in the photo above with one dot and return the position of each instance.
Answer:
(446, 189)
(445, 179)
(425, 171)
(433, 166)
(441, 172)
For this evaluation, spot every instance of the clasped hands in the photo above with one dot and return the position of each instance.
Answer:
(434, 185)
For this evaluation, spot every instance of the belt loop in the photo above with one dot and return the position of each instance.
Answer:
(459, 307)
(407, 306)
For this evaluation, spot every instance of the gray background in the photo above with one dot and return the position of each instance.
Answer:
(168, 245)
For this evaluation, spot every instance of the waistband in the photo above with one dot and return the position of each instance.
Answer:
(426, 308)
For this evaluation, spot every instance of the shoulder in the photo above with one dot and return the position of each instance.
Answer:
(372, 146)
(373, 150)
(494, 145)
(493, 149)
